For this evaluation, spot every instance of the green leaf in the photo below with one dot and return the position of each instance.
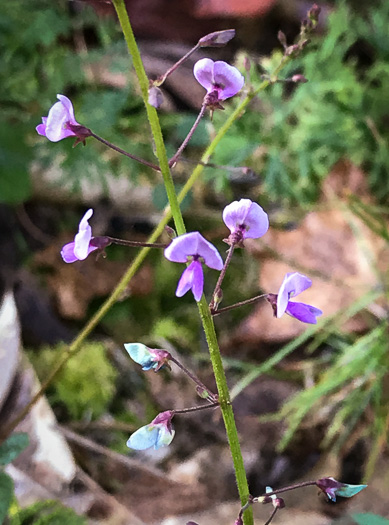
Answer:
(11, 448)
(6, 493)
(369, 519)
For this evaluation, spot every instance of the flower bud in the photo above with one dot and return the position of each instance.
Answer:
(155, 97)
(299, 79)
(217, 39)
(282, 39)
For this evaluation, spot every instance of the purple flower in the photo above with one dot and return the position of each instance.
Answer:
(82, 246)
(293, 284)
(246, 220)
(193, 248)
(147, 357)
(159, 433)
(333, 488)
(57, 125)
(219, 79)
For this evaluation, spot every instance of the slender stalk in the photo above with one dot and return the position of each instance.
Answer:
(237, 305)
(176, 156)
(194, 378)
(152, 114)
(271, 516)
(290, 487)
(162, 79)
(213, 304)
(195, 409)
(137, 244)
(123, 152)
(226, 408)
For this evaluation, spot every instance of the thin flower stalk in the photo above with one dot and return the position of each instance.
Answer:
(177, 155)
(125, 153)
(202, 389)
(238, 305)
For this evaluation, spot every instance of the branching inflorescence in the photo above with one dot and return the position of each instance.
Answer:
(244, 219)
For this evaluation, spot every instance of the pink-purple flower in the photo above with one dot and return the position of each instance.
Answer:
(147, 357)
(159, 433)
(82, 245)
(193, 248)
(333, 488)
(293, 284)
(221, 80)
(245, 220)
(60, 123)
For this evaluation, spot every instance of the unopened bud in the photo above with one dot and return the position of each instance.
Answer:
(299, 79)
(247, 63)
(313, 13)
(238, 521)
(278, 503)
(292, 50)
(172, 234)
(217, 298)
(282, 39)
(155, 97)
(217, 39)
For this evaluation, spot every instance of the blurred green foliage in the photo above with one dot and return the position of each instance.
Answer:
(341, 112)
(47, 512)
(86, 385)
(292, 136)
(9, 450)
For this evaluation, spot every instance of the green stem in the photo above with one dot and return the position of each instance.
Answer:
(205, 314)
(152, 114)
(226, 407)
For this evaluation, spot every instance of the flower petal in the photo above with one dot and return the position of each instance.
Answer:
(228, 79)
(165, 437)
(247, 214)
(82, 246)
(186, 281)
(191, 245)
(67, 253)
(347, 491)
(145, 437)
(293, 284)
(56, 123)
(203, 72)
(141, 355)
(69, 108)
(303, 312)
(41, 128)
(197, 280)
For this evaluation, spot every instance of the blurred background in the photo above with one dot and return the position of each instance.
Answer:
(309, 401)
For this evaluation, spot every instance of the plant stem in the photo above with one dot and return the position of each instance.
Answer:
(152, 114)
(137, 244)
(214, 302)
(195, 409)
(290, 487)
(162, 79)
(205, 313)
(226, 408)
(194, 378)
(123, 152)
(237, 305)
(271, 516)
(176, 156)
